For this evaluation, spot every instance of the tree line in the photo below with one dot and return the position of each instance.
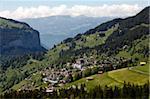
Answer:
(128, 91)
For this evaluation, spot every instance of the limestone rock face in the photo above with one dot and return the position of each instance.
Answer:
(17, 38)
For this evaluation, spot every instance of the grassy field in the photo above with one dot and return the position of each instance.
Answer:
(128, 76)
(93, 39)
(143, 68)
(17, 86)
(98, 79)
(139, 46)
(124, 54)
(36, 78)
(112, 78)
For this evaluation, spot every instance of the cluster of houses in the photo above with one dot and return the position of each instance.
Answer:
(79, 64)
(58, 77)
(55, 76)
(83, 63)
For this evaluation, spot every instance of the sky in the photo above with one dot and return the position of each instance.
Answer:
(20, 9)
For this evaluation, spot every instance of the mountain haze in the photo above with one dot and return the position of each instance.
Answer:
(54, 29)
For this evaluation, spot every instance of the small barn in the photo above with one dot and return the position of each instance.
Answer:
(142, 63)
(89, 78)
(100, 72)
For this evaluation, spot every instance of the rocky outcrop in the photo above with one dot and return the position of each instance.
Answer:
(17, 38)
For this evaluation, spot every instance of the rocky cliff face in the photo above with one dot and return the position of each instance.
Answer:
(17, 38)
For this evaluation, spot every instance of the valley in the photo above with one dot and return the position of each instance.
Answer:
(114, 54)
(55, 29)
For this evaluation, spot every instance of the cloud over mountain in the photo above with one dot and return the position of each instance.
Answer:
(76, 10)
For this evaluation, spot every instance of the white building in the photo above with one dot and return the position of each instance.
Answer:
(78, 66)
(51, 81)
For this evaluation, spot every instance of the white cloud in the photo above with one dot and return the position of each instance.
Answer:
(76, 10)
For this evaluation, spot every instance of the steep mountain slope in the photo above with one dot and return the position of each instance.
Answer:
(18, 42)
(62, 27)
(18, 38)
(115, 35)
